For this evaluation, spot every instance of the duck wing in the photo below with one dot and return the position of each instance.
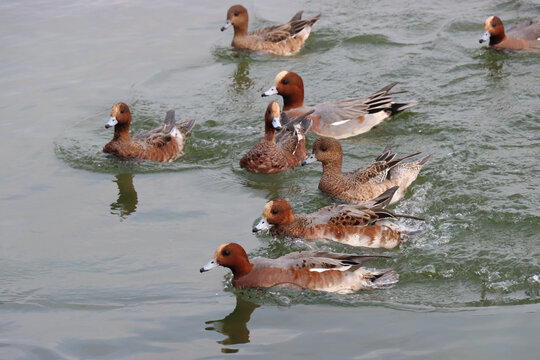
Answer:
(282, 32)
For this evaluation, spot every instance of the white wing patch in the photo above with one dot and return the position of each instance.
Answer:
(320, 270)
(337, 123)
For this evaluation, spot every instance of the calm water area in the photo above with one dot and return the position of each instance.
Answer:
(100, 256)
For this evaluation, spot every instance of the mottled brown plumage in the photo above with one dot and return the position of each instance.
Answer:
(161, 144)
(365, 183)
(313, 270)
(285, 39)
(365, 224)
(281, 151)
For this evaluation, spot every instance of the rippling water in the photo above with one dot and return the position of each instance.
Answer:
(100, 256)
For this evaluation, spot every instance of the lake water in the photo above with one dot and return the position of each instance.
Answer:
(100, 257)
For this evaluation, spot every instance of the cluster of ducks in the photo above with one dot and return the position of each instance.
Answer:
(361, 218)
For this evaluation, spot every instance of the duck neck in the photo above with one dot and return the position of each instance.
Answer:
(495, 39)
(269, 133)
(332, 167)
(242, 268)
(121, 132)
(240, 31)
(293, 100)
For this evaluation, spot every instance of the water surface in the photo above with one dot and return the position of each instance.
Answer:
(99, 256)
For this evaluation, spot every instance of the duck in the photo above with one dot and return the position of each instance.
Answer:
(286, 39)
(279, 151)
(314, 270)
(365, 183)
(365, 224)
(523, 36)
(338, 119)
(163, 144)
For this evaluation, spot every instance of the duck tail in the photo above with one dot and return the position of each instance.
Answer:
(384, 278)
(297, 16)
(425, 159)
(398, 107)
(185, 126)
(169, 120)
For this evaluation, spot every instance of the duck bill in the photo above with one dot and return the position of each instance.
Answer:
(262, 225)
(271, 91)
(484, 38)
(111, 123)
(211, 264)
(276, 123)
(226, 26)
(309, 160)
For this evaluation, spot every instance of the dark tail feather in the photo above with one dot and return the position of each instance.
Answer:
(297, 16)
(384, 199)
(385, 278)
(398, 107)
(169, 119)
(185, 126)
(425, 159)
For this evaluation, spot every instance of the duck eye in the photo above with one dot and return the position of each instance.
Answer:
(235, 14)
(323, 148)
(285, 81)
(122, 111)
(274, 211)
(226, 252)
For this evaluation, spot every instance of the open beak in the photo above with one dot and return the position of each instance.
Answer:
(262, 225)
(271, 91)
(111, 123)
(211, 264)
(484, 38)
(309, 160)
(226, 26)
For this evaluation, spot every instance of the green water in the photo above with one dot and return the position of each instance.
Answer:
(100, 257)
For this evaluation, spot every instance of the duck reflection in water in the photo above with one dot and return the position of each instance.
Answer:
(127, 196)
(242, 81)
(234, 325)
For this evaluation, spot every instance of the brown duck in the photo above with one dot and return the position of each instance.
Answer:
(365, 224)
(285, 39)
(365, 183)
(161, 144)
(279, 151)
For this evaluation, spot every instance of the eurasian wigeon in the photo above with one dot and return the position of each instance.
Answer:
(315, 270)
(285, 39)
(522, 36)
(281, 151)
(161, 144)
(365, 183)
(338, 119)
(364, 225)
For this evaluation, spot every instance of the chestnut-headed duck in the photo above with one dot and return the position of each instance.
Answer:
(285, 39)
(339, 119)
(364, 225)
(281, 151)
(522, 36)
(315, 270)
(365, 183)
(161, 144)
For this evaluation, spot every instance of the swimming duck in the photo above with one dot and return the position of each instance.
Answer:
(522, 36)
(339, 119)
(281, 151)
(364, 225)
(161, 144)
(315, 270)
(365, 183)
(285, 39)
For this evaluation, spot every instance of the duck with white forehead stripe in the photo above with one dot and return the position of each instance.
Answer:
(341, 118)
